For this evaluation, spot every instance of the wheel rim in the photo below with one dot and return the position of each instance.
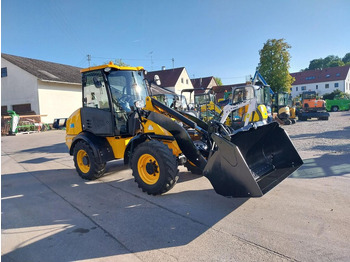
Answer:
(83, 161)
(148, 169)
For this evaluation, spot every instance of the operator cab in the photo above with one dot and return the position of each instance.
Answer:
(109, 96)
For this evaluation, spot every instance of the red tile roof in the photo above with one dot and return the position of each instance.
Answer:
(202, 82)
(317, 76)
(168, 78)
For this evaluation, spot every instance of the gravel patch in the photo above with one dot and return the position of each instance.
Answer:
(314, 137)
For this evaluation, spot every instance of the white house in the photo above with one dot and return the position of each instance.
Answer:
(203, 84)
(173, 80)
(322, 81)
(40, 87)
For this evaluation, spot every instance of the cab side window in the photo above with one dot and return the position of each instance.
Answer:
(95, 93)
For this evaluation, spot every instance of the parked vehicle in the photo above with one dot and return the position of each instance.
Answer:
(338, 104)
(312, 107)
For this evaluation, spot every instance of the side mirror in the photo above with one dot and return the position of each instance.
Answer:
(156, 80)
(97, 83)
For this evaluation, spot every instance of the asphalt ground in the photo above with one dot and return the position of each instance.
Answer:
(48, 213)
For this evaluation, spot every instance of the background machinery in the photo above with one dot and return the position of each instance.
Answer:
(311, 107)
(283, 106)
(119, 120)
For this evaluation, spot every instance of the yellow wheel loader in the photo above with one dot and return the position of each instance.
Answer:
(119, 120)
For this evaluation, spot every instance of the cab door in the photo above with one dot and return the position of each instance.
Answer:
(96, 114)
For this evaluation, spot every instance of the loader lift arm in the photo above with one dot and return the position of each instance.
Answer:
(245, 163)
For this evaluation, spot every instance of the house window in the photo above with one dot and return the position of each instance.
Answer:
(186, 81)
(3, 110)
(182, 80)
(296, 88)
(336, 85)
(338, 74)
(22, 108)
(328, 76)
(303, 88)
(316, 86)
(326, 86)
(3, 71)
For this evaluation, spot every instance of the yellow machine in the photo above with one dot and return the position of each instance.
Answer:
(206, 104)
(119, 120)
(285, 111)
(246, 106)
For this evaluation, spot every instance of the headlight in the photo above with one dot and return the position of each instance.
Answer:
(139, 104)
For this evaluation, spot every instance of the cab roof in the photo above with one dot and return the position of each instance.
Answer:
(112, 65)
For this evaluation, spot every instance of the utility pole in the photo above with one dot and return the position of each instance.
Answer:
(89, 59)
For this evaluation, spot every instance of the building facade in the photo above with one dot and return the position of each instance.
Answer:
(30, 86)
(203, 84)
(322, 81)
(174, 80)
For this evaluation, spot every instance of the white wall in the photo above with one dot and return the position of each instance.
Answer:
(19, 87)
(187, 84)
(347, 83)
(58, 100)
(320, 88)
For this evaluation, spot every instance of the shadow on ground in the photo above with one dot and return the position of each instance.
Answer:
(325, 166)
(116, 212)
(54, 149)
(335, 134)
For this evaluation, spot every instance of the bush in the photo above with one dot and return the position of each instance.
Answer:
(336, 93)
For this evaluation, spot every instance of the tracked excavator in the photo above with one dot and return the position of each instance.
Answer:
(119, 120)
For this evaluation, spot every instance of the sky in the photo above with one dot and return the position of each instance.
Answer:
(219, 38)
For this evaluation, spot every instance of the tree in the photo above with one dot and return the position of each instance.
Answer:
(336, 63)
(346, 58)
(315, 64)
(120, 62)
(274, 65)
(329, 61)
(218, 81)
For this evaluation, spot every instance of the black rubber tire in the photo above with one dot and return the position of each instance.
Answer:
(335, 109)
(193, 169)
(166, 162)
(96, 169)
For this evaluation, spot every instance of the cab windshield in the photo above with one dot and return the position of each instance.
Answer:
(203, 99)
(126, 88)
(243, 93)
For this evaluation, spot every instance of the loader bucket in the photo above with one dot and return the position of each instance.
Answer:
(250, 163)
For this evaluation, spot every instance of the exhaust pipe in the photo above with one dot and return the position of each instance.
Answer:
(252, 162)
